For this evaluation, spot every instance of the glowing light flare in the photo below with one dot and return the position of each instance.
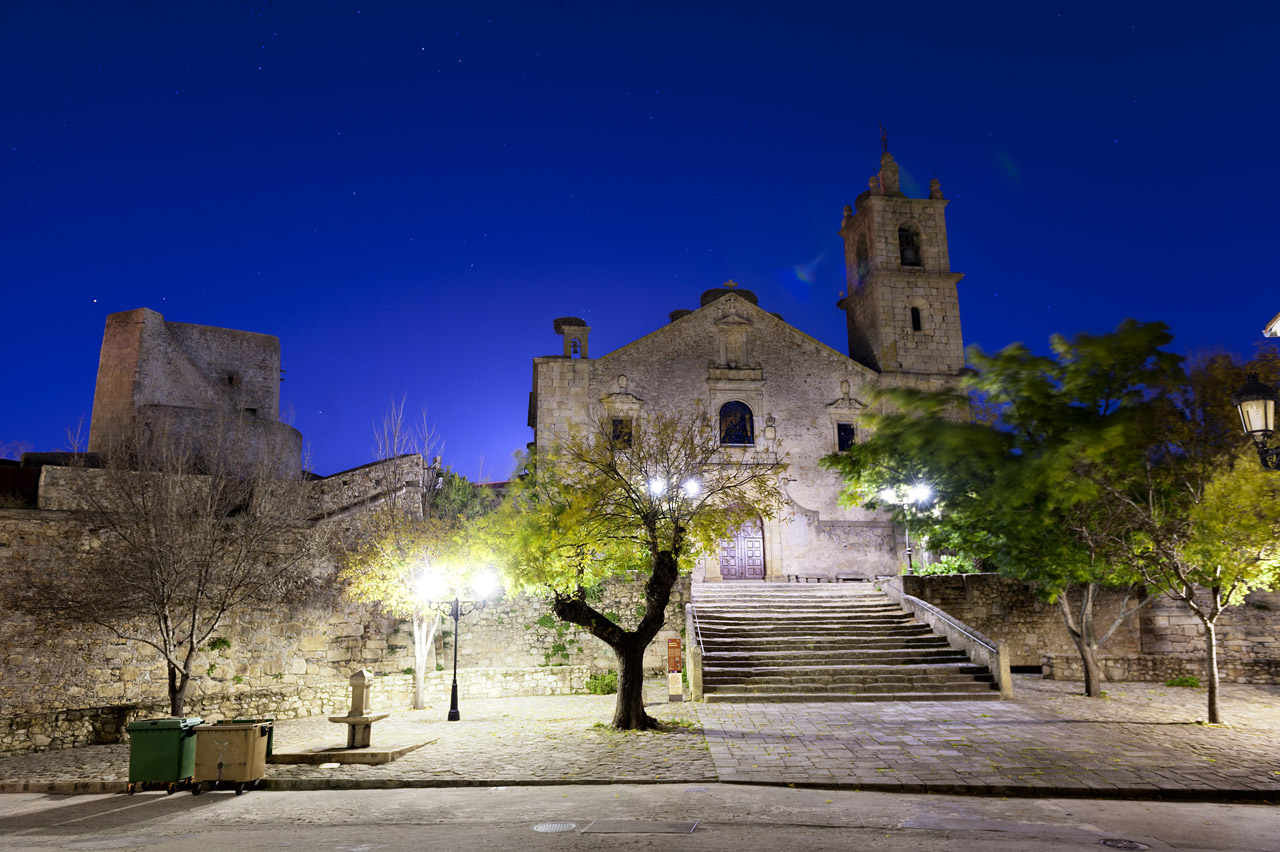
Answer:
(430, 586)
(919, 493)
(657, 486)
(691, 488)
(484, 584)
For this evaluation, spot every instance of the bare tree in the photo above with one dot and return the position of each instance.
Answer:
(192, 533)
(407, 532)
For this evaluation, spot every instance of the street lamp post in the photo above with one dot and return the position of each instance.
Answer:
(918, 493)
(483, 586)
(1256, 402)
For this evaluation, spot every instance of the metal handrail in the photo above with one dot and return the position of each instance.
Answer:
(959, 625)
(697, 628)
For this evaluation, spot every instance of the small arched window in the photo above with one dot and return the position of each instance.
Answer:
(909, 246)
(736, 424)
(915, 319)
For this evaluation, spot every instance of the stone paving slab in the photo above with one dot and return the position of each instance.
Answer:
(541, 740)
(1141, 742)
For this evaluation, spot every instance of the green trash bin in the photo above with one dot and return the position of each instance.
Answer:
(162, 752)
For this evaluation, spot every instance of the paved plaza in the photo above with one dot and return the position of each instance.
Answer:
(1141, 741)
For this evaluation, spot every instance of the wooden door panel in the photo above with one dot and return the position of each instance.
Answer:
(742, 557)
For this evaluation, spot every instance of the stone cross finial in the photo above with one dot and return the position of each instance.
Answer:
(730, 284)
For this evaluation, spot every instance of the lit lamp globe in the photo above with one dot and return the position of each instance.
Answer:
(430, 586)
(484, 585)
(1256, 403)
(919, 493)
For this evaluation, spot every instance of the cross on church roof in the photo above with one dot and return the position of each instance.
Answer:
(730, 284)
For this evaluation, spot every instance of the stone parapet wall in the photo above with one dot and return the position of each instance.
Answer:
(1158, 668)
(1164, 640)
(1249, 632)
(1009, 610)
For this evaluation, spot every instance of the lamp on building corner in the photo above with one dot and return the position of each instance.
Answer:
(1256, 402)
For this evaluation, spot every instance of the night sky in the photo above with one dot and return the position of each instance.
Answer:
(407, 194)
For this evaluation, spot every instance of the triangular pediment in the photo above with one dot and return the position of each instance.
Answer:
(733, 313)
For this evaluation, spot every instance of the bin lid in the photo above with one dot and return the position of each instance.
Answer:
(168, 722)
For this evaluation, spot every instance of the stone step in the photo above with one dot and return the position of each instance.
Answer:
(825, 642)
(906, 628)
(855, 687)
(887, 619)
(808, 640)
(862, 658)
(797, 697)
(850, 674)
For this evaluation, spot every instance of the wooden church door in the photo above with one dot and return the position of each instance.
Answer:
(742, 556)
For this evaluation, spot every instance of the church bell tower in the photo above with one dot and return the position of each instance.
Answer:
(902, 306)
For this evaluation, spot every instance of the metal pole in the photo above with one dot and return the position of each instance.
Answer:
(906, 526)
(453, 697)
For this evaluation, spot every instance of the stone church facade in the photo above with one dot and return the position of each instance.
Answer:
(776, 391)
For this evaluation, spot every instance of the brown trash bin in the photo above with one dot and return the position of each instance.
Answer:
(231, 755)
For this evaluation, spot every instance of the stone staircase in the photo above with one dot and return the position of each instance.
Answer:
(825, 642)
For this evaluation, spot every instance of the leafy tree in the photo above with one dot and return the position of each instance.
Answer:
(191, 533)
(1030, 489)
(410, 531)
(599, 506)
(1204, 520)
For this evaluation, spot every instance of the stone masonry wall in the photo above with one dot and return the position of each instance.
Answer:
(1163, 641)
(1008, 609)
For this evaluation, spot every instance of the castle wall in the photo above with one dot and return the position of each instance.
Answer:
(210, 386)
(72, 684)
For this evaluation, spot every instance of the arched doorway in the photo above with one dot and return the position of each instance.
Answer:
(742, 555)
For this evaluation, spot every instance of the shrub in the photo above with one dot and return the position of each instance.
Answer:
(1184, 680)
(946, 565)
(603, 684)
(407, 671)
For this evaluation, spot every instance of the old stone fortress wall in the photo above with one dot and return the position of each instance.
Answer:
(65, 684)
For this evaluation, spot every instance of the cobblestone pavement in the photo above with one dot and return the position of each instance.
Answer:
(1140, 741)
(549, 739)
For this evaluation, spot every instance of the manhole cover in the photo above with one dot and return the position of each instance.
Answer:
(555, 826)
(1123, 844)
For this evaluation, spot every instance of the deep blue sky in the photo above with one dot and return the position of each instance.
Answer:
(408, 193)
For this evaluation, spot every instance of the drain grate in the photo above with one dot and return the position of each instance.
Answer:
(555, 826)
(695, 789)
(1117, 843)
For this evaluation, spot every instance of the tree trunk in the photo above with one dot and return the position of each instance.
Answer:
(1092, 671)
(1082, 635)
(424, 652)
(1211, 670)
(419, 659)
(178, 682)
(629, 714)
